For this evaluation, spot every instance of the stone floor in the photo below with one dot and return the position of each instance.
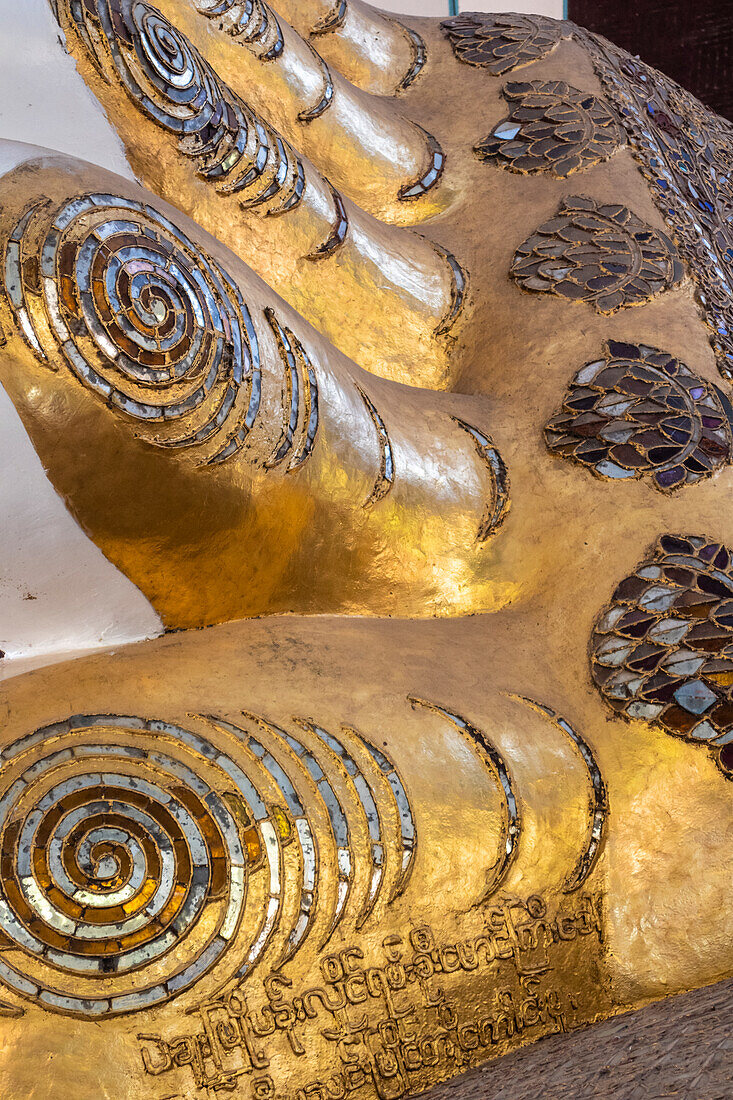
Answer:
(681, 1047)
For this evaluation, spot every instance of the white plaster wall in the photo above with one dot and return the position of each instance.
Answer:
(553, 8)
(57, 590)
(58, 593)
(43, 100)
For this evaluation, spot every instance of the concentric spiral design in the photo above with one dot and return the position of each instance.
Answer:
(123, 860)
(142, 317)
(141, 857)
(173, 67)
(165, 76)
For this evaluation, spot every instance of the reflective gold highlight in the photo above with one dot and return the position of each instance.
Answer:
(127, 334)
(436, 758)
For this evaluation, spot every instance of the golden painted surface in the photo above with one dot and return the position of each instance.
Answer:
(458, 954)
(207, 536)
(396, 822)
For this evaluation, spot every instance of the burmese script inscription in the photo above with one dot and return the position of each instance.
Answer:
(392, 1022)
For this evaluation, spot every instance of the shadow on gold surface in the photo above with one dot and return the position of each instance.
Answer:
(446, 766)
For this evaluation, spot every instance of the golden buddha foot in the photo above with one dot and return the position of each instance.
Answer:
(400, 537)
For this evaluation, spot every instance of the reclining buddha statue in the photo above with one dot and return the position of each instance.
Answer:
(367, 579)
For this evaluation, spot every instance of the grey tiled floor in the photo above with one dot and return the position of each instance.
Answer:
(681, 1047)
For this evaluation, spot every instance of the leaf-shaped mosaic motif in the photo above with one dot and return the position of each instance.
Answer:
(663, 649)
(602, 254)
(553, 128)
(640, 412)
(501, 43)
(686, 154)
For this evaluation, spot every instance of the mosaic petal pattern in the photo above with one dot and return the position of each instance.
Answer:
(601, 254)
(663, 649)
(384, 480)
(143, 318)
(552, 128)
(497, 509)
(432, 172)
(419, 57)
(332, 20)
(501, 43)
(640, 412)
(138, 855)
(686, 154)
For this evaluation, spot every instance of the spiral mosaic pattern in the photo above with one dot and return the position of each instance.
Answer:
(142, 317)
(177, 74)
(122, 860)
(140, 858)
(168, 80)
